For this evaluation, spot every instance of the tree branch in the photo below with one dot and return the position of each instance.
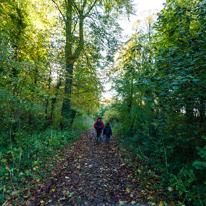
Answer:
(59, 10)
(87, 58)
(75, 6)
(84, 4)
(91, 7)
(87, 101)
(81, 37)
(75, 26)
(91, 90)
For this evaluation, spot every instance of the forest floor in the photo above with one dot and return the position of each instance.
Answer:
(90, 174)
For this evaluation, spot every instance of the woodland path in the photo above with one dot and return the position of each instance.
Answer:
(91, 175)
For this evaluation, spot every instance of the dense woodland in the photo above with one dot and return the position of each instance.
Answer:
(53, 54)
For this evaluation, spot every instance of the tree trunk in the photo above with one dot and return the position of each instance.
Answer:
(66, 108)
(53, 101)
(71, 57)
(131, 104)
(47, 102)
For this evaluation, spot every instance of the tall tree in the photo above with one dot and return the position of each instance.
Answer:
(74, 13)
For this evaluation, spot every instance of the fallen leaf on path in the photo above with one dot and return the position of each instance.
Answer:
(121, 202)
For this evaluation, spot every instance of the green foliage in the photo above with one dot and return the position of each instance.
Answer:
(111, 116)
(160, 83)
(101, 111)
(201, 165)
(82, 123)
(20, 158)
(31, 93)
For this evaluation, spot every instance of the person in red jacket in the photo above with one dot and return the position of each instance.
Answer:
(99, 126)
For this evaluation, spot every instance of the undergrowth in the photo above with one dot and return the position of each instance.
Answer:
(29, 159)
(162, 183)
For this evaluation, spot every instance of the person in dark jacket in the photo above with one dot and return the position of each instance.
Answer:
(107, 131)
(99, 126)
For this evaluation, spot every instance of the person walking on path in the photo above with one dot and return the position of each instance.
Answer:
(99, 126)
(107, 131)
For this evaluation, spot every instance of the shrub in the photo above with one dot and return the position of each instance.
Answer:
(111, 116)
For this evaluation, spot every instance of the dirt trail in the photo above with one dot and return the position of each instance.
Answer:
(91, 175)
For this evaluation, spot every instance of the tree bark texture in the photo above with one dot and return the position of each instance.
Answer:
(71, 57)
(66, 108)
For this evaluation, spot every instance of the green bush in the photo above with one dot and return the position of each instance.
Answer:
(111, 116)
(101, 111)
(82, 123)
(22, 154)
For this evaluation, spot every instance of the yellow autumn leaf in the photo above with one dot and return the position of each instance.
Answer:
(142, 192)
(53, 190)
(42, 201)
(127, 190)
(161, 203)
